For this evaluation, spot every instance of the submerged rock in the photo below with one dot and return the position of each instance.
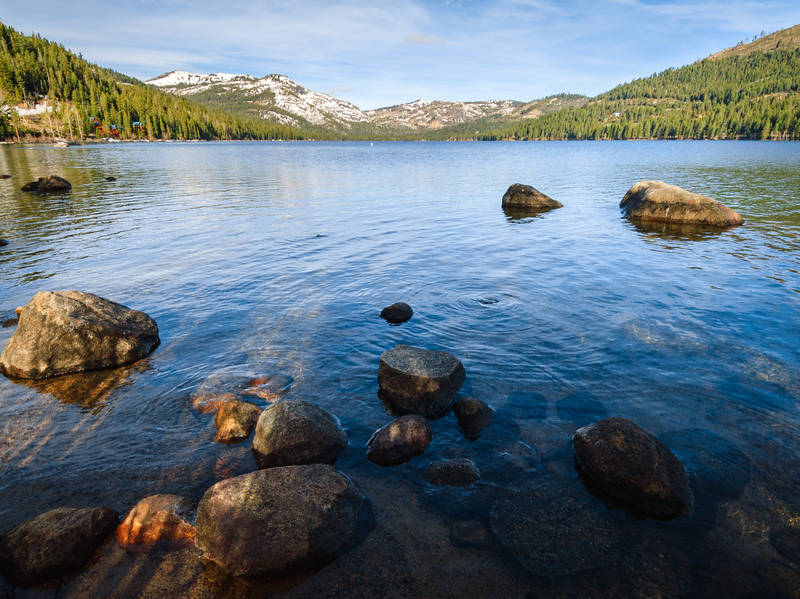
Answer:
(458, 472)
(554, 529)
(62, 332)
(627, 466)
(111, 178)
(297, 432)
(5, 176)
(519, 196)
(413, 380)
(470, 533)
(49, 184)
(235, 420)
(55, 544)
(786, 542)
(281, 520)
(268, 387)
(473, 415)
(399, 441)
(657, 201)
(158, 519)
(397, 313)
(3, 242)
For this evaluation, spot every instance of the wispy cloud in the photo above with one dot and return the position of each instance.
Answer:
(418, 38)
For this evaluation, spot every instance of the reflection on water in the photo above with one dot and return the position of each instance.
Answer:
(268, 264)
(677, 231)
(89, 390)
(518, 214)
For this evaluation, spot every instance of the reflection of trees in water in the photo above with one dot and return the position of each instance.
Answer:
(90, 390)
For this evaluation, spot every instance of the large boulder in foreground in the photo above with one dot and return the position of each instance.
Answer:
(296, 432)
(162, 519)
(628, 467)
(61, 332)
(55, 544)
(525, 197)
(554, 529)
(281, 520)
(49, 184)
(656, 201)
(413, 380)
(399, 441)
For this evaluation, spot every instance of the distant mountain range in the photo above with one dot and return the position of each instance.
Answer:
(277, 98)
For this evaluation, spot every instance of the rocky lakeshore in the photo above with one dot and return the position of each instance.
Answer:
(275, 434)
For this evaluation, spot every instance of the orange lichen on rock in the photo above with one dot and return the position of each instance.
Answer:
(156, 519)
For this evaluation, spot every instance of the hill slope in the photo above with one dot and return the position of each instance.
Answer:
(79, 94)
(749, 91)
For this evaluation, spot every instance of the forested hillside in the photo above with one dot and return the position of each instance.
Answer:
(737, 93)
(88, 100)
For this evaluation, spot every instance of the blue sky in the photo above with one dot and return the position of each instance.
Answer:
(376, 53)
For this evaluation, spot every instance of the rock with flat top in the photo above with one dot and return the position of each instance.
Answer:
(519, 196)
(55, 544)
(61, 332)
(413, 380)
(656, 201)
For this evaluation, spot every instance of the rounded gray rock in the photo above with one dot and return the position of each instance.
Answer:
(397, 313)
(656, 201)
(529, 198)
(55, 544)
(413, 380)
(399, 441)
(296, 432)
(628, 467)
(281, 520)
(61, 332)
(473, 415)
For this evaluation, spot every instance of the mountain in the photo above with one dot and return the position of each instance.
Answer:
(48, 91)
(273, 98)
(279, 99)
(749, 91)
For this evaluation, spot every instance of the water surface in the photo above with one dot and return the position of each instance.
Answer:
(276, 258)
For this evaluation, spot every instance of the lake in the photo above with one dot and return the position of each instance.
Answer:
(276, 259)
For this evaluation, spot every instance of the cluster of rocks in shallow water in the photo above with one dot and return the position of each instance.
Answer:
(297, 512)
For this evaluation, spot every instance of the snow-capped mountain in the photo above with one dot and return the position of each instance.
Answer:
(434, 114)
(274, 97)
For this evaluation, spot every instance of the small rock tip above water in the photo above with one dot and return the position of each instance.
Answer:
(397, 313)
(49, 184)
(520, 196)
